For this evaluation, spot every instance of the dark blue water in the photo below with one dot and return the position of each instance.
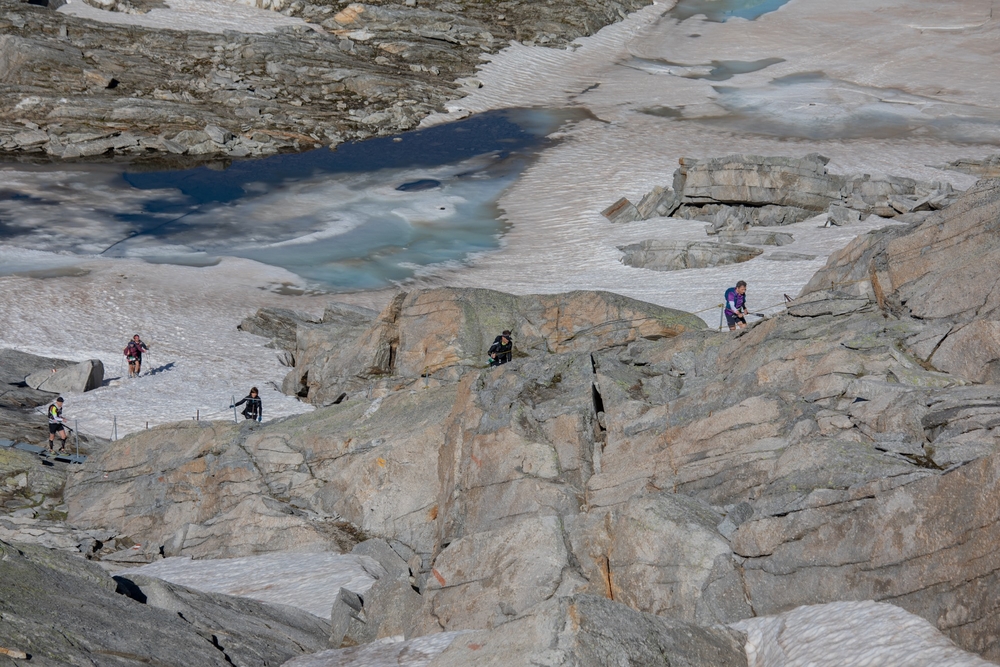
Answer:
(363, 216)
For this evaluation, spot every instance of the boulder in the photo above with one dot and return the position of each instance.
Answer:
(986, 168)
(875, 194)
(727, 218)
(78, 378)
(218, 135)
(622, 211)
(659, 201)
(278, 324)
(756, 180)
(841, 215)
(756, 237)
(675, 256)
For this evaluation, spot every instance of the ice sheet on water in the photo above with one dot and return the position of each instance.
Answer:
(309, 581)
(850, 633)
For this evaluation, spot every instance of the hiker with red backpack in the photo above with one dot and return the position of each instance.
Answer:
(133, 352)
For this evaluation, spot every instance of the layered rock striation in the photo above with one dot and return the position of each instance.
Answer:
(626, 458)
(73, 88)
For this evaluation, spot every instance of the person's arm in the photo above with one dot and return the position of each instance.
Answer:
(241, 402)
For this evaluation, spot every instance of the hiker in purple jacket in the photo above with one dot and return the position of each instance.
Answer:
(736, 306)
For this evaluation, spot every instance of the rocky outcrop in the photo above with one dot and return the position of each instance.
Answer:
(675, 256)
(443, 332)
(822, 454)
(736, 192)
(42, 593)
(248, 512)
(591, 631)
(758, 181)
(19, 419)
(932, 272)
(76, 89)
(77, 378)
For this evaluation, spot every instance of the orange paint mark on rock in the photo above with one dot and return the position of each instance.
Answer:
(437, 575)
(475, 647)
(475, 460)
(380, 461)
(433, 513)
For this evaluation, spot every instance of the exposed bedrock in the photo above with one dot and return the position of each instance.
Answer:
(72, 88)
(61, 610)
(441, 333)
(675, 256)
(735, 192)
(820, 455)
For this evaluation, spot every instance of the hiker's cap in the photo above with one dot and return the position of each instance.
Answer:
(60, 400)
(505, 333)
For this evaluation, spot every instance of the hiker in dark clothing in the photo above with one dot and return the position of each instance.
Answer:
(736, 306)
(254, 409)
(501, 350)
(133, 351)
(57, 426)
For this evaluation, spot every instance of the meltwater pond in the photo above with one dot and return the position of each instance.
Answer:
(362, 216)
(719, 11)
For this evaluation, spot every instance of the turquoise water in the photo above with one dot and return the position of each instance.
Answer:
(363, 216)
(720, 11)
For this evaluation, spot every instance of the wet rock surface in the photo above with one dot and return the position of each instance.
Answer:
(73, 88)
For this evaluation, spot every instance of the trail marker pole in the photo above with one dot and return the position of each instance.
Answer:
(76, 435)
(197, 415)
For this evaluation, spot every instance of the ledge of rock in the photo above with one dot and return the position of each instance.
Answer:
(674, 256)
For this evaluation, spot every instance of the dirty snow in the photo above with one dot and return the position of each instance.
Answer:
(873, 634)
(308, 581)
(215, 16)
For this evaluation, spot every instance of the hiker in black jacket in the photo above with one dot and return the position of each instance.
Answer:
(501, 350)
(254, 409)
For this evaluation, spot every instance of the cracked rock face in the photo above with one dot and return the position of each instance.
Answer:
(820, 455)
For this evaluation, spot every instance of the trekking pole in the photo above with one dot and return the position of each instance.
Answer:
(722, 314)
(233, 403)
(76, 435)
